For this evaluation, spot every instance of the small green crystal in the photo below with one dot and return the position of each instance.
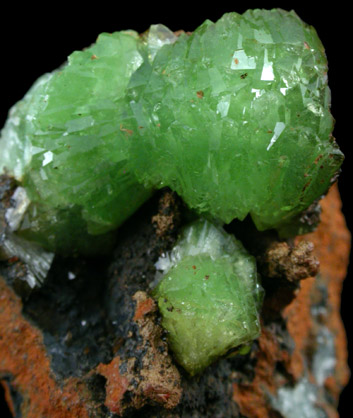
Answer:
(235, 118)
(209, 296)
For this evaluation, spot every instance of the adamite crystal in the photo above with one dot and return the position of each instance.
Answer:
(235, 118)
(209, 296)
(64, 142)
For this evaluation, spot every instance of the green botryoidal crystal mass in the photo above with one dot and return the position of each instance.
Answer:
(64, 143)
(209, 296)
(235, 118)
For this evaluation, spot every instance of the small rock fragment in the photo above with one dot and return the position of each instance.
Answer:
(292, 263)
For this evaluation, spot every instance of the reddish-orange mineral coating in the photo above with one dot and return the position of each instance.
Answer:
(23, 356)
(332, 246)
(116, 384)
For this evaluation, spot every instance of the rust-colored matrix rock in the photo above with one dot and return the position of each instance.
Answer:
(88, 342)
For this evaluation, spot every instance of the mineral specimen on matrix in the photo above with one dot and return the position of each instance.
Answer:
(153, 194)
(234, 117)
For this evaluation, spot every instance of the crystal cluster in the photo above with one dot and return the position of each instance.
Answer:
(235, 118)
(209, 296)
(64, 143)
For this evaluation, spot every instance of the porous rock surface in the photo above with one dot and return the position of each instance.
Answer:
(88, 343)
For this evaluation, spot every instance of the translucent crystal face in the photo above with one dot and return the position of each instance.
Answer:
(209, 296)
(66, 145)
(235, 118)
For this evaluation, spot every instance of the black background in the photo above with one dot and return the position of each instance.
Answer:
(34, 40)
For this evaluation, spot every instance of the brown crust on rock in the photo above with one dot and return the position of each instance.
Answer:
(332, 246)
(251, 397)
(157, 381)
(159, 378)
(293, 263)
(24, 359)
(146, 377)
(167, 220)
(116, 385)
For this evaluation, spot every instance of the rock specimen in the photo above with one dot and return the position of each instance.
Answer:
(232, 120)
(83, 346)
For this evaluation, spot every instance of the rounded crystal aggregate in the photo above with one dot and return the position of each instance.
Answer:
(234, 117)
(209, 295)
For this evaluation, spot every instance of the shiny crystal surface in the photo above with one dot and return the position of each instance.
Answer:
(209, 296)
(65, 143)
(235, 118)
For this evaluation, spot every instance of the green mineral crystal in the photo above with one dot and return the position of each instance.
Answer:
(66, 144)
(235, 118)
(209, 296)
